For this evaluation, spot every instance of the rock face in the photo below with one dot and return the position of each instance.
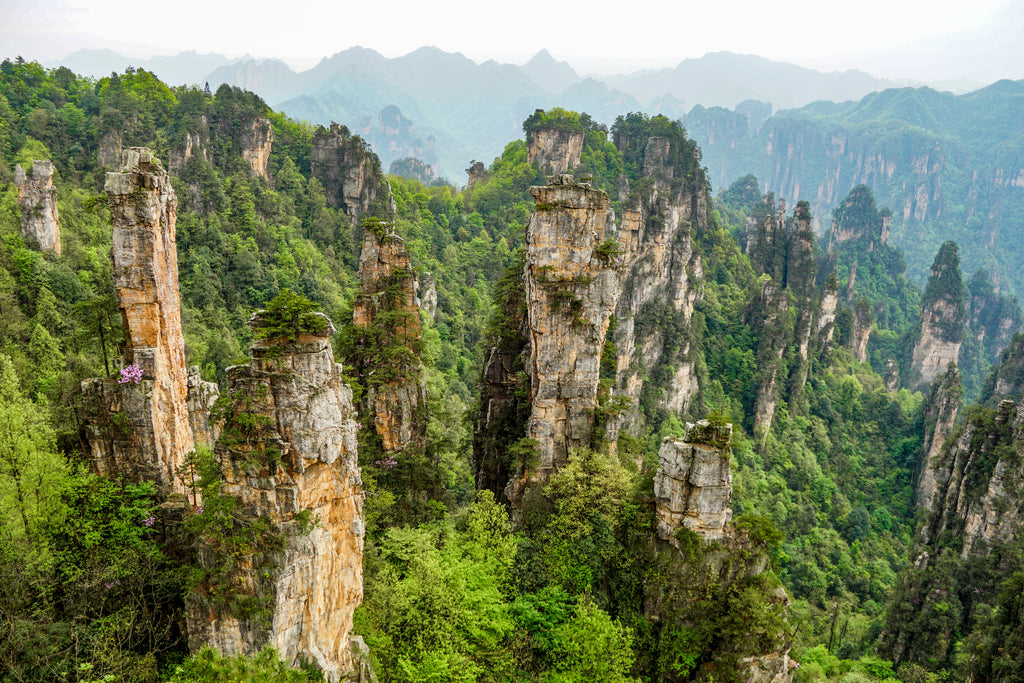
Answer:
(257, 141)
(37, 198)
(940, 419)
(476, 173)
(770, 309)
(288, 457)
(110, 149)
(386, 307)
(194, 144)
(662, 280)
(153, 434)
(571, 285)
(350, 173)
(943, 315)
(977, 502)
(555, 150)
(693, 486)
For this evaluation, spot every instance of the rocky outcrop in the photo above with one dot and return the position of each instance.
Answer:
(201, 397)
(554, 150)
(942, 317)
(37, 198)
(386, 309)
(288, 460)
(571, 287)
(940, 415)
(257, 141)
(701, 553)
(826, 319)
(140, 427)
(863, 319)
(350, 173)
(693, 486)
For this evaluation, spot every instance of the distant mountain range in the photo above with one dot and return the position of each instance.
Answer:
(948, 166)
(455, 110)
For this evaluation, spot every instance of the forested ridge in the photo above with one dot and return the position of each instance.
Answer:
(825, 495)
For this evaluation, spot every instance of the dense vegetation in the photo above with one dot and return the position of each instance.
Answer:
(91, 587)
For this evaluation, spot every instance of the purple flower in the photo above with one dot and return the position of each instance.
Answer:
(115, 582)
(149, 521)
(131, 373)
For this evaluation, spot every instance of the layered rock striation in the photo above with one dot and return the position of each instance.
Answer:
(387, 319)
(554, 150)
(288, 459)
(141, 428)
(940, 416)
(693, 486)
(37, 199)
(571, 287)
(662, 279)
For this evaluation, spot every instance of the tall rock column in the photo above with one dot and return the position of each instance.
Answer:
(140, 429)
(571, 285)
(37, 198)
(256, 144)
(940, 415)
(943, 313)
(662, 280)
(386, 314)
(288, 458)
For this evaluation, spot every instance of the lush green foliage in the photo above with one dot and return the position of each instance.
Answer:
(825, 498)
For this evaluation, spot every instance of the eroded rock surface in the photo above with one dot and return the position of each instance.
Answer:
(288, 455)
(350, 173)
(693, 486)
(37, 198)
(257, 141)
(571, 287)
(943, 314)
(142, 430)
(555, 150)
(387, 306)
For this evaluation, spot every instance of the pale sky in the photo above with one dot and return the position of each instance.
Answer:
(888, 38)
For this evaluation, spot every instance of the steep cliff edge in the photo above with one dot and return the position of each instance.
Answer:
(387, 322)
(571, 286)
(968, 549)
(37, 198)
(281, 532)
(140, 427)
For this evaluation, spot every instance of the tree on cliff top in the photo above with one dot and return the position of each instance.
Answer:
(946, 284)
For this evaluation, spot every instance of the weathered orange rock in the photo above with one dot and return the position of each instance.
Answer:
(142, 431)
(257, 142)
(387, 301)
(298, 474)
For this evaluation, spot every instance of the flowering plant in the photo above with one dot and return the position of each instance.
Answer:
(131, 373)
